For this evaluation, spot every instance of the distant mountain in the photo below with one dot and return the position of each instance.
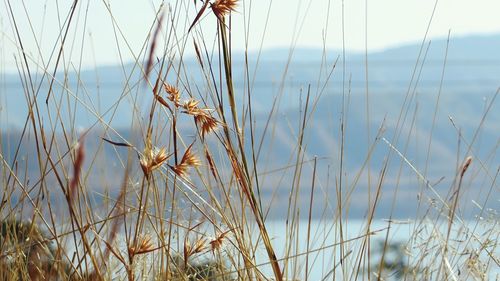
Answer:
(471, 78)
(472, 64)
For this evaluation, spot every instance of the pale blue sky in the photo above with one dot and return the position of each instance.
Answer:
(303, 22)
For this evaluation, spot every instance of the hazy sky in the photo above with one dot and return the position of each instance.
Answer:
(104, 35)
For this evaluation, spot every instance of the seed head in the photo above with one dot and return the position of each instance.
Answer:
(173, 94)
(223, 7)
(143, 245)
(206, 123)
(190, 250)
(153, 159)
(188, 160)
(217, 242)
(191, 107)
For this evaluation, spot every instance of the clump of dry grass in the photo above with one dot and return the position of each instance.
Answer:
(190, 250)
(202, 270)
(216, 179)
(27, 254)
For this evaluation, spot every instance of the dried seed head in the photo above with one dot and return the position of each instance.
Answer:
(143, 245)
(153, 159)
(206, 123)
(173, 94)
(223, 7)
(144, 166)
(180, 169)
(202, 116)
(188, 160)
(159, 157)
(191, 107)
(217, 242)
(198, 247)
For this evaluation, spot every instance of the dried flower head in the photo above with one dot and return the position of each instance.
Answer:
(223, 7)
(188, 160)
(206, 123)
(217, 242)
(173, 94)
(153, 159)
(191, 107)
(189, 250)
(143, 245)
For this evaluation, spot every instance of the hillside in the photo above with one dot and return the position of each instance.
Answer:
(471, 78)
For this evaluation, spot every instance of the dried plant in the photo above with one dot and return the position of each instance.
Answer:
(149, 63)
(173, 94)
(142, 245)
(153, 159)
(199, 246)
(466, 165)
(206, 123)
(233, 192)
(188, 160)
(216, 243)
(162, 101)
(191, 107)
(223, 7)
(211, 164)
(202, 118)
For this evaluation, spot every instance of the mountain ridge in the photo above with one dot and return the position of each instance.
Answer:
(417, 94)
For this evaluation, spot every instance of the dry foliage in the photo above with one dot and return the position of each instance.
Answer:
(189, 159)
(152, 159)
(143, 245)
(173, 94)
(223, 7)
(101, 226)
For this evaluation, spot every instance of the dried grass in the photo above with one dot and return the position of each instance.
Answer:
(223, 7)
(182, 201)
